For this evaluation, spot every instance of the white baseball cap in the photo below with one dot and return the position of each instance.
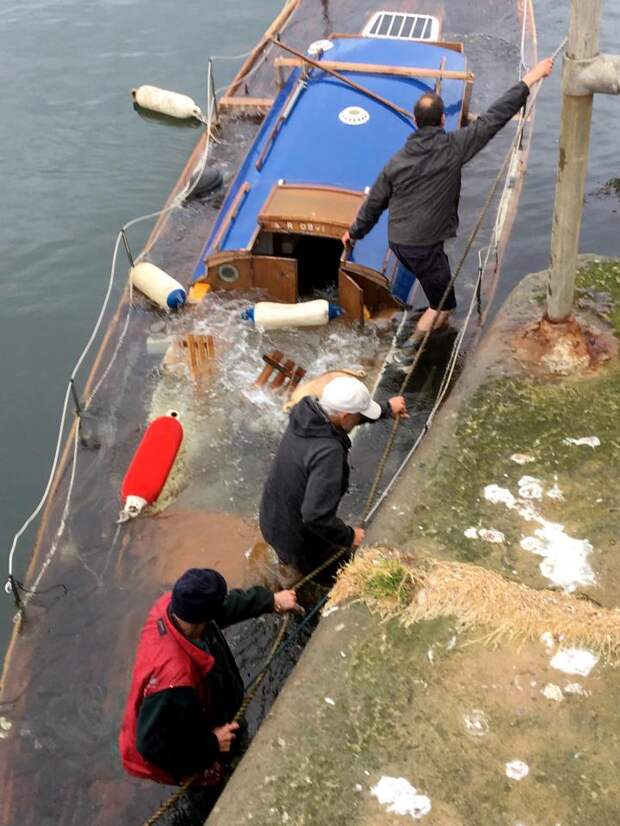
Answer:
(346, 394)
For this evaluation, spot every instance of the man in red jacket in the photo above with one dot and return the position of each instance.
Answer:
(186, 688)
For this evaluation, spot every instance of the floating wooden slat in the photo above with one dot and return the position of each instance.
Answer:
(286, 372)
(194, 351)
(269, 367)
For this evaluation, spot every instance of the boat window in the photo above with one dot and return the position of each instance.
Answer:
(402, 26)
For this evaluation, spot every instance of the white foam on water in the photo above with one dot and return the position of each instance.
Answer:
(574, 661)
(401, 797)
(517, 770)
(590, 441)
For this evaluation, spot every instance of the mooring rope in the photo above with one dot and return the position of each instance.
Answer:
(13, 586)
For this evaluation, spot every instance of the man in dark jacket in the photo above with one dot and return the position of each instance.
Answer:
(310, 474)
(421, 186)
(186, 688)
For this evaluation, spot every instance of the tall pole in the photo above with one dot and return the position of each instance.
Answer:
(583, 44)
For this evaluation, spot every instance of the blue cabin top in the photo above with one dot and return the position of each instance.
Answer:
(323, 133)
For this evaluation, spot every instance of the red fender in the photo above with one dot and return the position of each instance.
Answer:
(153, 459)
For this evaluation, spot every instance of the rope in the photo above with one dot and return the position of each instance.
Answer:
(12, 585)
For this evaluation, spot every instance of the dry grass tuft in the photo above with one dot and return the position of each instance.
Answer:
(415, 590)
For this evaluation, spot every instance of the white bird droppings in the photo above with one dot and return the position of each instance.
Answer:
(476, 723)
(553, 692)
(530, 488)
(487, 534)
(521, 458)
(547, 640)
(496, 494)
(401, 797)
(590, 441)
(565, 560)
(576, 688)
(517, 770)
(575, 661)
(491, 535)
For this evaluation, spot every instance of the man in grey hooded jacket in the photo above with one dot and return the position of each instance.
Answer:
(421, 186)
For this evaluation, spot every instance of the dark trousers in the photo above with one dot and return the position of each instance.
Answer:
(431, 267)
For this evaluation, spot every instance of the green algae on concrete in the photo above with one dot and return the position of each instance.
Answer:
(515, 426)
(428, 704)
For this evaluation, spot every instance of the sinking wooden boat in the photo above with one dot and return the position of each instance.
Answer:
(305, 130)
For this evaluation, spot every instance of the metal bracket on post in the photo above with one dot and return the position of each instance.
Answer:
(594, 75)
(12, 589)
(88, 439)
(127, 249)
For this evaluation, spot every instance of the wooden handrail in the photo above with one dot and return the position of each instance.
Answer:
(375, 69)
(232, 212)
(274, 28)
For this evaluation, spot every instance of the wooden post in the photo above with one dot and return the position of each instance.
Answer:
(583, 43)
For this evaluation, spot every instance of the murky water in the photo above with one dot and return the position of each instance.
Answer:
(78, 163)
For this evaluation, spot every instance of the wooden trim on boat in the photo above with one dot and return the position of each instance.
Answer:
(262, 105)
(232, 213)
(376, 69)
(260, 47)
(469, 87)
(308, 209)
(454, 45)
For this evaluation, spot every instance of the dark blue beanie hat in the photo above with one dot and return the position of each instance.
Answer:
(197, 594)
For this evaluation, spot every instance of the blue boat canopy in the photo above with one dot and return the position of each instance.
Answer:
(317, 153)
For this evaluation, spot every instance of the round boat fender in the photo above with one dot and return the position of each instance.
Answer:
(151, 464)
(201, 185)
(168, 103)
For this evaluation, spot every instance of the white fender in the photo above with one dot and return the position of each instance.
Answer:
(166, 102)
(269, 315)
(157, 285)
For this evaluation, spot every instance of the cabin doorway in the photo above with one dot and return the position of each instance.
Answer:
(317, 257)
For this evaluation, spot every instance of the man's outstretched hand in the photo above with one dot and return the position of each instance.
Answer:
(542, 69)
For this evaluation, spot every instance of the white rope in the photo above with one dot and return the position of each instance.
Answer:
(111, 279)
